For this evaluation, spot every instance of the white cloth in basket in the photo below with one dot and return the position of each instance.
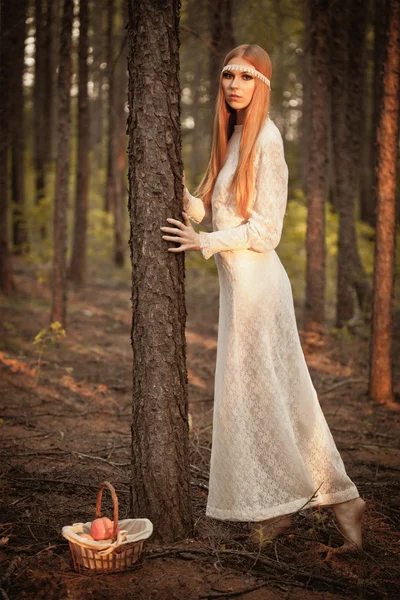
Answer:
(132, 530)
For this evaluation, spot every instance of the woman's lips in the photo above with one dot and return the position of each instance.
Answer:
(234, 97)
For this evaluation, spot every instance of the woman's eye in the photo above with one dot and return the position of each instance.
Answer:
(248, 77)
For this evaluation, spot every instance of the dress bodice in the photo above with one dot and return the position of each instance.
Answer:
(261, 232)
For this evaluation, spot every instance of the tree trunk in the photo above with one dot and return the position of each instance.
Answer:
(314, 311)
(355, 111)
(6, 277)
(20, 234)
(381, 376)
(368, 126)
(222, 40)
(59, 280)
(368, 205)
(39, 103)
(160, 429)
(348, 26)
(97, 76)
(120, 158)
(306, 117)
(52, 40)
(112, 142)
(77, 269)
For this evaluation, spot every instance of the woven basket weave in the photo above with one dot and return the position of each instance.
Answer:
(121, 551)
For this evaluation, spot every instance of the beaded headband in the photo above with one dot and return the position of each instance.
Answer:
(251, 70)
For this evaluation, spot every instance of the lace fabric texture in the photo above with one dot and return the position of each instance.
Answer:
(271, 444)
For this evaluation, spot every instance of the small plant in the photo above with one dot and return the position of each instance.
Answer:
(46, 338)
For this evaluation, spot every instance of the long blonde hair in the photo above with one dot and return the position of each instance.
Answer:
(242, 183)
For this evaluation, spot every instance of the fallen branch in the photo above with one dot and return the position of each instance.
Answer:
(267, 562)
(257, 586)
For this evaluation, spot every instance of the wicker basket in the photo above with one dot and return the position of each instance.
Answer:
(121, 551)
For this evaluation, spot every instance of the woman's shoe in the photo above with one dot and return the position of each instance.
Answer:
(349, 515)
(263, 532)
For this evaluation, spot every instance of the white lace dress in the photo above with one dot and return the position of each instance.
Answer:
(271, 445)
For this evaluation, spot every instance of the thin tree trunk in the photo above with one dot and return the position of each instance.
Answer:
(52, 39)
(314, 311)
(305, 121)
(59, 279)
(97, 76)
(6, 277)
(111, 191)
(368, 207)
(365, 181)
(348, 26)
(222, 40)
(120, 170)
(355, 112)
(381, 375)
(77, 269)
(160, 430)
(39, 106)
(20, 233)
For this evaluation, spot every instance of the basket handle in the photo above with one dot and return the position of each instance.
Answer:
(115, 502)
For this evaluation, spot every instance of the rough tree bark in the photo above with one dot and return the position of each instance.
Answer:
(314, 309)
(381, 377)
(59, 279)
(77, 268)
(160, 476)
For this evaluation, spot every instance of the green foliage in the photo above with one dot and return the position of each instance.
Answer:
(47, 337)
(100, 234)
(342, 334)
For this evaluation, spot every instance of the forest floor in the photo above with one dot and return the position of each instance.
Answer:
(67, 428)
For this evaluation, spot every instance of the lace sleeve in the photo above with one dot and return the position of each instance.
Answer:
(197, 211)
(262, 231)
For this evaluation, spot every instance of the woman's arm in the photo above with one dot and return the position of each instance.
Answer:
(262, 231)
(197, 211)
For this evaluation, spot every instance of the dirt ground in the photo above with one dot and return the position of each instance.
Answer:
(66, 428)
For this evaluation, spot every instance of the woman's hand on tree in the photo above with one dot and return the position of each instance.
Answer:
(184, 234)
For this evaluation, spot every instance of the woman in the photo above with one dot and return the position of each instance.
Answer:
(272, 450)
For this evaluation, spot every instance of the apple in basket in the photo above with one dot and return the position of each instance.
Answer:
(102, 528)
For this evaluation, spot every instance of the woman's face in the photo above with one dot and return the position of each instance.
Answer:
(238, 86)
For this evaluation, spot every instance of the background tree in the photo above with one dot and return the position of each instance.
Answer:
(222, 40)
(97, 72)
(160, 465)
(39, 105)
(381, 376)
(6, 277)
(314, 309)
(51, 63)
(59, 279)
(112, 137)
(347, 51)
(78, 261)
(17, 118)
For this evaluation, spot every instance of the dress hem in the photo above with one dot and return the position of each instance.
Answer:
(283, 509)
